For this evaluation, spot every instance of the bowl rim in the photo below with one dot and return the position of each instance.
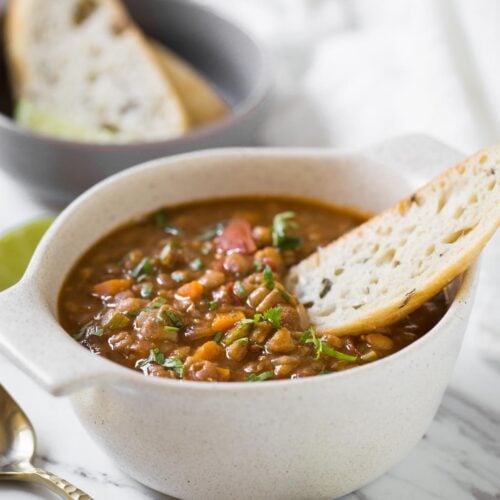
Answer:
(129, 377)
(261, 87)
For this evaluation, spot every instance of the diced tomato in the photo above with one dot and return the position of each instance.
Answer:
(237, 236)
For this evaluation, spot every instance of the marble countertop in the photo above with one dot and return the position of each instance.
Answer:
(458, 459)
(321, 48)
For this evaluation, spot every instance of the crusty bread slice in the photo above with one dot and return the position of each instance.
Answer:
(82, 70)
(389, 266)
(202, 103)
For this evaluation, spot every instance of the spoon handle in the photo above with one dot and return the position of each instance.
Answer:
(58, 485)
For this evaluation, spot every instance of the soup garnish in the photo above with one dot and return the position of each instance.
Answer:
(197, 292)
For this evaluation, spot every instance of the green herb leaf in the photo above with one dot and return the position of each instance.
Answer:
(168, 252)
(169, 328)
(146, 290)
(98, 333)
(284, 294)
(143, 268)
(218, 337)
(156, 356)
(160, 218)
(260, 377)
(268, 277)
(259, 265)
(213, 305)
(211, 232)
(83, 330)
(156, 303)
(309, 337)
(273, 316)
(250, 321)
(174, 364)
(283, 223)
(174, 318)
(239, 290)
(333, 353)
(196, 264)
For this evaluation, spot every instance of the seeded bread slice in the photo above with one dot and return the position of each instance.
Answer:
(202, 103)
(386, 268)
(81, 69)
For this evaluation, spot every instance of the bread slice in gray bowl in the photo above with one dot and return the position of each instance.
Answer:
(56, 170)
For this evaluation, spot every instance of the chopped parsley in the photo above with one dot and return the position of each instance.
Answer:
(213, 305)
(167, 254)
(157, 303)
(273, 316)
(98, 333)
(143, 268)
(284, 294)
(171, 328)
(157, 357)
(283, 223)
(211, 232)
(196, 264)
(160, 218)
(309, 337)
(83, 330)
(174, 318)
(260, 377)
(218, 337)
(268, 277)
(146, 290)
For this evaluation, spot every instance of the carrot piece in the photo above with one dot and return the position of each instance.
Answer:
(111, 287)
(192, 290)
(224, 321)
(224, 373)
(208, 351)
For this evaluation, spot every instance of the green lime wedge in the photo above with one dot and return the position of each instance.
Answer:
(17, 247)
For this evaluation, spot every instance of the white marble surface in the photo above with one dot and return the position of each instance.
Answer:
(339, 72)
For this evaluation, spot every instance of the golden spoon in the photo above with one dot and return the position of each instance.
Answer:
(17, 447)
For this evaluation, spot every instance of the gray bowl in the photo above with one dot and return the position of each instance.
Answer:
(55, 171)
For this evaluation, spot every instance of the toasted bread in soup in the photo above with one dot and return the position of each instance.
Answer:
(202, 103)
(389, 266)
(82, 70)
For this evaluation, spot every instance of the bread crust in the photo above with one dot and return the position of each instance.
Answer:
(171, 117)
(480, 174)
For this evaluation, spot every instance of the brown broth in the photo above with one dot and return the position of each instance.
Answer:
(196, 292)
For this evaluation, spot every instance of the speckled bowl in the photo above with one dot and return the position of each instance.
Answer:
(56, 171)
(317, 437)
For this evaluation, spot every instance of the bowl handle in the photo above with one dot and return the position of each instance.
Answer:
(419, 155)
(42, 349)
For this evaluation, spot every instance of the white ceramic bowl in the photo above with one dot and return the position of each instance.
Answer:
(316, 437)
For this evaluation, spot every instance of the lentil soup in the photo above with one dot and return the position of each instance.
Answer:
(196, 292)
